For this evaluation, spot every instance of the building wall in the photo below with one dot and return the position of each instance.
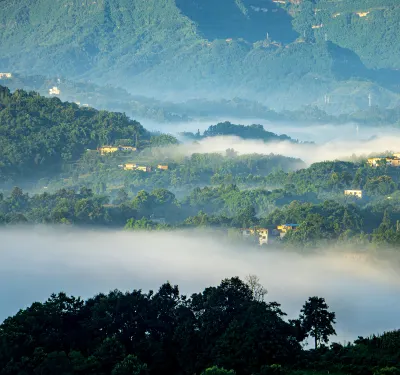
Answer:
(107, 150)
(129, 167)
(127, 148)
(356, 193)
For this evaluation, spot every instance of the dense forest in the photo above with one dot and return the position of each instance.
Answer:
(52, 145)
(66, 165)
(276, 53)
(342, 222)
(40, 134)
(223, 330)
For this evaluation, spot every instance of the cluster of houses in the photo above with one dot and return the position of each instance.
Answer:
(266, 236)
(106, 150)
(143, 168)
(393, 161)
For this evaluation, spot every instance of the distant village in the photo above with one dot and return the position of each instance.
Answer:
(106, 150)
(265, 236)
(391, 161)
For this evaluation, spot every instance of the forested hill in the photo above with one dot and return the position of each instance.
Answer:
(271, 51)
(223, 330)
(41, 134)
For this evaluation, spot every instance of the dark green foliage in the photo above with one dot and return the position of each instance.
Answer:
(245, 132)
(137, 333)
(164, 332)
(317, 321)
(40, 135)
(160, 46)
(215, 370)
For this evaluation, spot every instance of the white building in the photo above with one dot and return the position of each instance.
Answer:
(54, 91)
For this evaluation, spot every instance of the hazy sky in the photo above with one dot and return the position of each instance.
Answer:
(36, 263)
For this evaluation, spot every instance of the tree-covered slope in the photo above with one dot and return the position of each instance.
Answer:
(367, 27)
(195, 48)
(39, 134)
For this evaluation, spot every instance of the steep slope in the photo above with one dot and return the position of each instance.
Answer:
(247, 19)
(42, 135)
(77, 36)
(367, 27)
(184, 48)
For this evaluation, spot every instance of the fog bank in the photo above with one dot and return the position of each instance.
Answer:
(37, 262)
(309, 153)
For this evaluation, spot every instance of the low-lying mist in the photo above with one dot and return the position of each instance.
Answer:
(309, 153)
(332, 142)
(37, 262)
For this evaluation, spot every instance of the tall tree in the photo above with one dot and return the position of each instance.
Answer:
(317, 321)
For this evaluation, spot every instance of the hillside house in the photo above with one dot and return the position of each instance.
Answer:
(107, 149)
(262, 234)
(354, 193)
(391, 161)
(284, 228)
(5, 75)
(362, 14)
(162, 167)
(129, 167)
(54, 91)
(143, 168)
(110, 149)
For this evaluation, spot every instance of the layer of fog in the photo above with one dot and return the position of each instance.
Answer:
(332, 142)
(319, 133)
(309, 153)
(37, 262)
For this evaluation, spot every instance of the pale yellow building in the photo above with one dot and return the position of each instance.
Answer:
(111, 149)
(392, 161)
(261, 232)
(284, 228)
(130, 167)
(107, 149)
(162, 167)
(54, 91)
(143, 168)
(354, 193)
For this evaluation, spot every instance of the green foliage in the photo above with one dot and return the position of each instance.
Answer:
(245, 132)
(40, 135)
(130, 366)
(317, 321)
(165, 332)
(140, 333)
(180, 46)
(217, 371)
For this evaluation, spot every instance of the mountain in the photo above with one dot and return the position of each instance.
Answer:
(43, 135)
(173, 49)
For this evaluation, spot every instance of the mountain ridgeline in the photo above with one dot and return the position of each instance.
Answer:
(261, 49)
